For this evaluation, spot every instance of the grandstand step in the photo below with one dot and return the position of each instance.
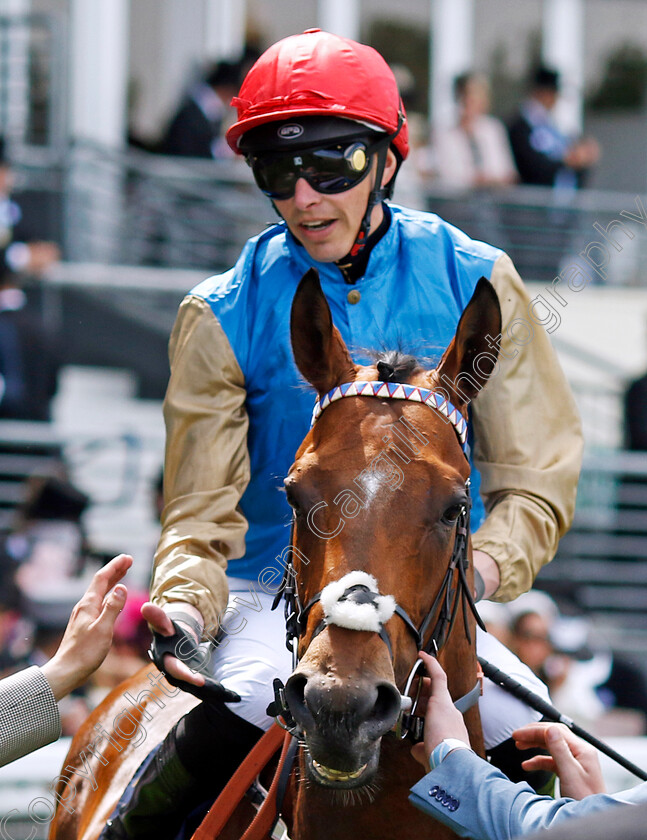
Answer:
(586, 569)
(622, 520)
(634, 495)
(18, 467)
(621, 598)
(12, 493)
(603, 545)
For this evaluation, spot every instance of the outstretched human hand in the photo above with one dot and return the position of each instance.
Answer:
(575, 762)
(160, 623)
(442, 718)
(88, 634)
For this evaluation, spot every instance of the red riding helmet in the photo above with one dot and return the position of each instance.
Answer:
(319, 74)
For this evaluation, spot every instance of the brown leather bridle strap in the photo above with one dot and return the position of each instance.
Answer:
(222, 809)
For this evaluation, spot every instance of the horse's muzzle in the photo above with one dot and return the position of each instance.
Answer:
(342, 722)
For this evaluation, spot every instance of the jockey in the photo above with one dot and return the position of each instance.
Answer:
(322, 126)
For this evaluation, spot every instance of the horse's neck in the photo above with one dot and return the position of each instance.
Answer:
(323, 814)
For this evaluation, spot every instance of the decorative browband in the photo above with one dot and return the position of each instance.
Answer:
(397, 391)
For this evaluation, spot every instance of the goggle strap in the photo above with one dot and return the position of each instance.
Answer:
(378, 193)
(376, 196)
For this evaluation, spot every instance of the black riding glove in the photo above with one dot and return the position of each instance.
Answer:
(479, 585)
(184, 647)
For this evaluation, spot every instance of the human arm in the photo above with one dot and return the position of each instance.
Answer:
(29, 717)
(206, 468)
(488, 806)
(528, 445)
(583, 153)
(474, 798)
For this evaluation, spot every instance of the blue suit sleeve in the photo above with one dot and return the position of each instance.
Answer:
(476, 800)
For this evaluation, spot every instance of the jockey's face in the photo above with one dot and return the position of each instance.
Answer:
(327, 225)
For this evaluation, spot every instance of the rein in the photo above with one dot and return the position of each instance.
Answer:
(446, 603)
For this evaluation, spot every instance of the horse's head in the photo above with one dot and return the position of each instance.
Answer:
(380, 490)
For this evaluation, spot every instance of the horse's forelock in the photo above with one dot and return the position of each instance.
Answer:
(395, 366)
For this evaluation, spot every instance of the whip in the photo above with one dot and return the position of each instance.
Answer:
(540, 705)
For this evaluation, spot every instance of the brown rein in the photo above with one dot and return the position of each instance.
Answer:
(228, 800)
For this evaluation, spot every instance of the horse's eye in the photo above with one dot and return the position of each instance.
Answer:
(451, 515)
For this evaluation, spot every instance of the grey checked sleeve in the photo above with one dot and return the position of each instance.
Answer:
(29, 716)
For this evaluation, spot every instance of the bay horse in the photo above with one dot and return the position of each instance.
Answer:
(380, 569)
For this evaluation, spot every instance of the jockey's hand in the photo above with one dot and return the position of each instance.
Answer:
(442, 718)
(160, 623)
(575, 762)
(489, 571)
(190, 670)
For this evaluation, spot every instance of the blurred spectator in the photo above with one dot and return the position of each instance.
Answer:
(15, 630)
(29, 358)
(532, 617)
(33, 257)
(544, 154)
(587, 682)
(197, 128)
(535, 626)
(47, 542)
(496, 617)
(475, 152)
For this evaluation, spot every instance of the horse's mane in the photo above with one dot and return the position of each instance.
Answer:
(396, 366)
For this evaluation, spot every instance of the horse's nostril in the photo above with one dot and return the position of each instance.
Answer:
(295, 690)
(386, 708)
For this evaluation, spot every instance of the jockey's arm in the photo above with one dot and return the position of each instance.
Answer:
(206, 470)
(528, 447)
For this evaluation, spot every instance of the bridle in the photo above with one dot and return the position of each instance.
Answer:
(454, 589)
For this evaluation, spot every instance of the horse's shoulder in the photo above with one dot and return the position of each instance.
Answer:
(109, 747)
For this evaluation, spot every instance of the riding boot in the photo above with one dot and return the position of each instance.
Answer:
(160, 799)
(192, 766)
(508, 759)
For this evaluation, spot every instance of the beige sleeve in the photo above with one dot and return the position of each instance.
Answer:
(206, 467)
(528, 447)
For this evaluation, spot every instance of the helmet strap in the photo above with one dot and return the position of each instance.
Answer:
(378, 193)
(376, 196)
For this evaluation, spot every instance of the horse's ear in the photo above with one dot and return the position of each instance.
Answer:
(319, 350)
(472, 355)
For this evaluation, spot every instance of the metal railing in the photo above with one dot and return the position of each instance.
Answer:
(137, 208)
(546, 232)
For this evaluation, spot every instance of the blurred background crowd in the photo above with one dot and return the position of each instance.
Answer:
(118, 194)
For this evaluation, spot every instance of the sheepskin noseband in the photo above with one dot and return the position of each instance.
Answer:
(354, 602)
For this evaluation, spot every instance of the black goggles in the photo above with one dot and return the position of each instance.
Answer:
(328, 169)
